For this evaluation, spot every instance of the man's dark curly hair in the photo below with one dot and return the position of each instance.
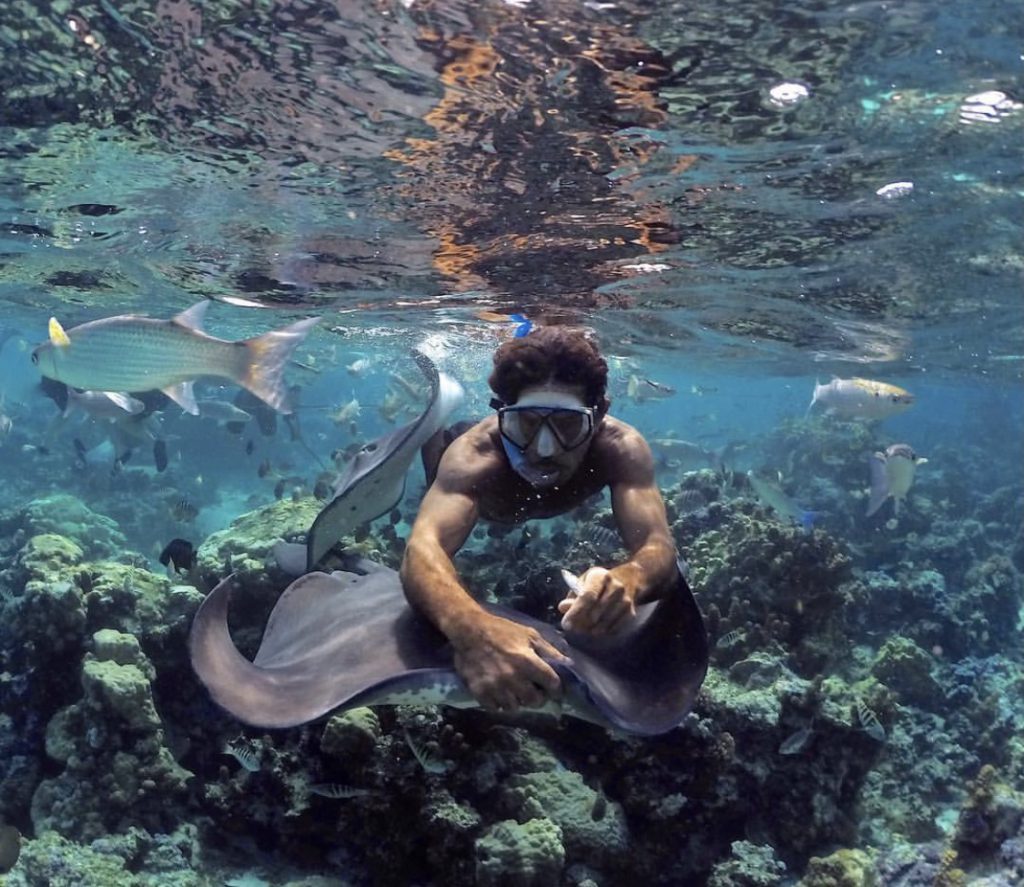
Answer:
(549, 354)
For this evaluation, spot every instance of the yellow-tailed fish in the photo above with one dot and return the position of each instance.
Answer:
(771, 495)
(135, 353)
(892, 474)
(861, 398)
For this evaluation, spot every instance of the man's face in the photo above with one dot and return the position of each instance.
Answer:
(546, 433)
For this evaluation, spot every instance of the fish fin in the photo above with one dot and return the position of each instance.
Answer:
(814, 398)
(879, 483)
(183, 395)
(58, 338)
(265, 359)
(920, 460)
(126, 402)
(192, 318)
(292, 557)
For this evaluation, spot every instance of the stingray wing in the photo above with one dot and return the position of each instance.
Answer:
(332, 641)
(343, 640)
(374, 481)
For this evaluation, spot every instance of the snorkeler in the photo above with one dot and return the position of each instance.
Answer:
(550, 446)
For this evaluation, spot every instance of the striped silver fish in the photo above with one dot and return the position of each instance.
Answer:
(130, 353)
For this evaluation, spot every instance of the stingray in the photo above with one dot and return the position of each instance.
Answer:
(373, 482)
(347, 639)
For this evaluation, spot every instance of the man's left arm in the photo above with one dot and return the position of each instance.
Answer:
(608, 598)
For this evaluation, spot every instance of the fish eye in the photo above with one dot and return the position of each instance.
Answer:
(35, 357)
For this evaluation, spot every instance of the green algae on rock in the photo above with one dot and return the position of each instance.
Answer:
(907, 670)
(66, 515)
(244, 547)
(351, 734)
(513, 854)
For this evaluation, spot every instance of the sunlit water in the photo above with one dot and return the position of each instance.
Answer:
(740, 200)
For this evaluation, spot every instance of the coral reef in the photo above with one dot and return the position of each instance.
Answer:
(117, 770)
(69, 517)
(528, 854)
(847, 732)
(245, 546)
(748, 865)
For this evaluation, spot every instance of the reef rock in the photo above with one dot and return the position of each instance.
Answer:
(117, 771)
(512, 854)
(244, 547)
(97, 534)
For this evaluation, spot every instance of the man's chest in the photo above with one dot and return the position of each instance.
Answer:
(515, 503)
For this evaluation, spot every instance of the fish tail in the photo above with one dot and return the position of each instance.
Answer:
(266, 357)
(807, 519)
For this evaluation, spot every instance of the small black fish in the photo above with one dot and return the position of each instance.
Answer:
(56, 391)
(279, 488)
(179, 554)
(183, 510)
(249, 446)
(265, 469)
(323, 488)
(10, 847)
(160, 455)
(395, 516)
(266, 416)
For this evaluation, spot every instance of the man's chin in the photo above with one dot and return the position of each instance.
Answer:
(545, 477)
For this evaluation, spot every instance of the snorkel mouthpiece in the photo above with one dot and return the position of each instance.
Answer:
(541, 478)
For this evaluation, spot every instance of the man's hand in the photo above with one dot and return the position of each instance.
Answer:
(500, 661)
(601, 605)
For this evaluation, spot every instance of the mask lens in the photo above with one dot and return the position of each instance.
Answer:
(569, 426)
(521, 425)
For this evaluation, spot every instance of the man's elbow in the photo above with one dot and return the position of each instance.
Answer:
(414, 562)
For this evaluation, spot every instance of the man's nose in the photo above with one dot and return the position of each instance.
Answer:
(547, 446)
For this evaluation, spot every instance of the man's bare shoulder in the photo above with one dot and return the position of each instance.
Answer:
(472, 459)
(621, 450)
(620, 437)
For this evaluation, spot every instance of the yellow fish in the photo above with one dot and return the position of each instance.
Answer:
(861, 399)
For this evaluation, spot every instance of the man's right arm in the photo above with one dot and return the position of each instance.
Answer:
(497, 658)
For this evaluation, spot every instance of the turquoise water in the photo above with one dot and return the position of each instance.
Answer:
(740, 201)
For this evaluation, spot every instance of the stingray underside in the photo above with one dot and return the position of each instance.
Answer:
(374, 480)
